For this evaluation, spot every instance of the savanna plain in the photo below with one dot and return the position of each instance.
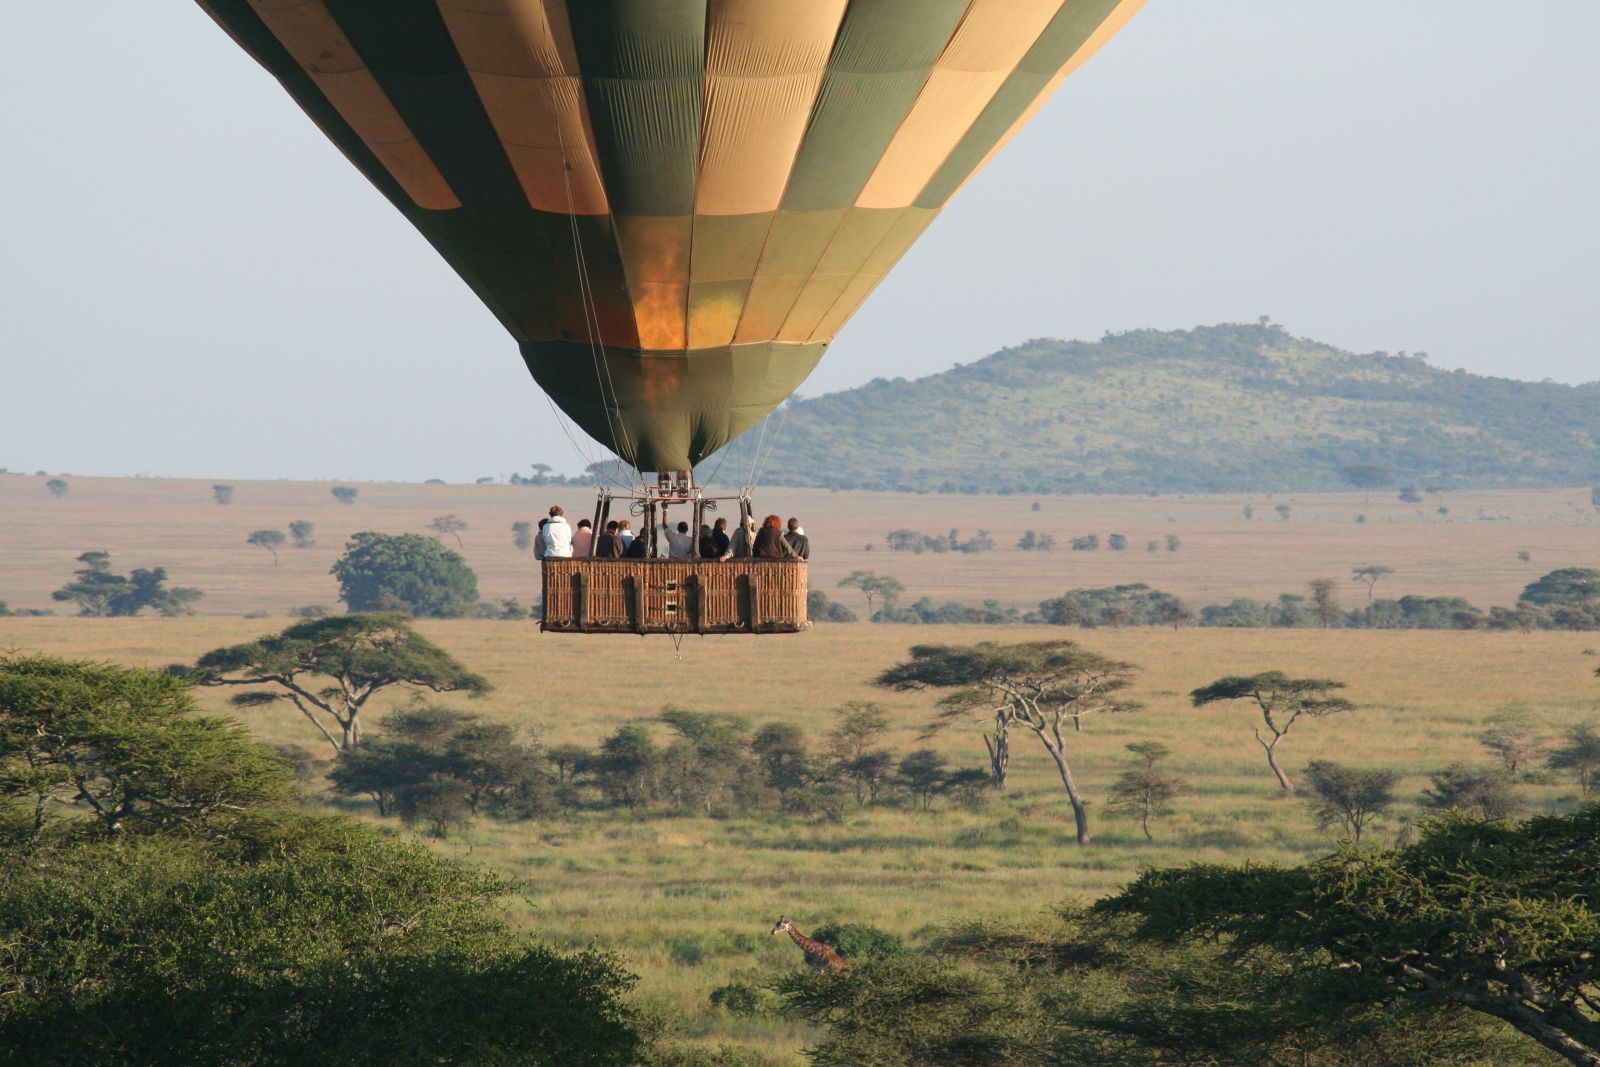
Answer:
(688, 899)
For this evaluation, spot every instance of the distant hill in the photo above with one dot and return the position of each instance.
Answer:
(1216, 408)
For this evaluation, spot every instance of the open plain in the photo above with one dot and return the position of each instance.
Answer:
(687, 899)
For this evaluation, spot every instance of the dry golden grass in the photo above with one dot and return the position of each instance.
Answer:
(1471, 552)
(688, 900)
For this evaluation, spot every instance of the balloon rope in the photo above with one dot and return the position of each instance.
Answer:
(591, 316)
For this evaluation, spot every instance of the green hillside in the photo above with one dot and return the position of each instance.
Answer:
(1230, 407)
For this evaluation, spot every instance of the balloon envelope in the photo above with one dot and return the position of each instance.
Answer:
(672, 205)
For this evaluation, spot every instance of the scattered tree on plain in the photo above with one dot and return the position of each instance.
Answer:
(1283, 511)
(1367, 476)
(1409, 495)
(58, 487)
(1509, 735)
(1173, 544)
(222, 494)
(1147, 790)
(873, 586)
(331, 668)
(449, 524)
(1040, 686)
(1370, 574)
(303, 532)
(344, 494)
(854, 751)
(1282, 700)
(923, 776)
(1579, 753)
(271, 540)
(522, 535)
(1348, 796)
(409, 572)
(1489, 793)
(1117, 542)
(1325, 601)
(99, 593)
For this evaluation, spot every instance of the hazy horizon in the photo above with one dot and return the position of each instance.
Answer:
(198, 285)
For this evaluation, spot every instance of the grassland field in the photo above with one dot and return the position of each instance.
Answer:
(688, 900)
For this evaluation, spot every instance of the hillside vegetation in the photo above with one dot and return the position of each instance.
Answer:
(1217, 408)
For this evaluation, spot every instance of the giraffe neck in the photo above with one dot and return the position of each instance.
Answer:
(807, 944)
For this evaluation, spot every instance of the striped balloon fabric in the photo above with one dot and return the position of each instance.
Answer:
(672, 205)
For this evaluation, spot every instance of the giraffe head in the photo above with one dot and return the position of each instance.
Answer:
(781, 925)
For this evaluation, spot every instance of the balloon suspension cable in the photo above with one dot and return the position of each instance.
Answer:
(591, 319)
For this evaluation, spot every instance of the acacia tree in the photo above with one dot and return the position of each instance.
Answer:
(1038, 685)
(303, 533)
(1348, 796)
(858, 727)
(271, 540)
(449, 524)
(1147, 790)
(117, 751)
(1370, 574)
(344, 494)
(1492, 917)
(1580, 754)
(1324, 601)
(873, 585)
(360, 655)
(222, 494)
(98, 592)
(58, 487)
(1283, 701)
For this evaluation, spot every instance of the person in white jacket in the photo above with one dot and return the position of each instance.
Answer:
(557, 536)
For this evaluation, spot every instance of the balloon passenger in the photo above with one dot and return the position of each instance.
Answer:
(797, 540)
(583, 539)
(769, 540)
(541, 548)
(744, 539)
(719, 538)
(609, 544)
(557, 535)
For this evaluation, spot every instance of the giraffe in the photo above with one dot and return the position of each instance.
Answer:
(819, 957)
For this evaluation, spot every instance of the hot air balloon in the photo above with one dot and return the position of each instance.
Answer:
(672, 205)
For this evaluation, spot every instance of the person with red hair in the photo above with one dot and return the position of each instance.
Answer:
(769, 540)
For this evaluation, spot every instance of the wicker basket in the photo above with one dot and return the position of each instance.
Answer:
(653, 596)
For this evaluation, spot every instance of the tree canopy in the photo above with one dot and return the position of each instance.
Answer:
(405, 572)
(163, 901)
(360, 655)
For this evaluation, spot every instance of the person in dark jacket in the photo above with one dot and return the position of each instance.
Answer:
(798, 542)
(609, 546)
(769, 540)
(638, 548)
(721, 540)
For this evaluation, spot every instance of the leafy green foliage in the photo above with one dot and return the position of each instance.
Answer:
(1579, 753)
(408, 572)
(344, 494)
(1348, 797)
(361, 655)
(1494, 918)
(303, 532)
(820, 607)
(1147, 790)
(59, 487)
(1197, 410)
(98, 592)
(1489, 793)
(449, 524)
(163, 902)
(110, 751)
(222, 495)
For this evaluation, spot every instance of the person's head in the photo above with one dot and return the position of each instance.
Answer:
(625, 524)
(772, 522)
(556, 512)
(683, 527)
(584, 524)
(794, 524)
(543, 523)
(750, 523)
(721, 524)
(705, 531)
(612, 527)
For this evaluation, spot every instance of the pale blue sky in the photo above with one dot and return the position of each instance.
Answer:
(193, 282)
